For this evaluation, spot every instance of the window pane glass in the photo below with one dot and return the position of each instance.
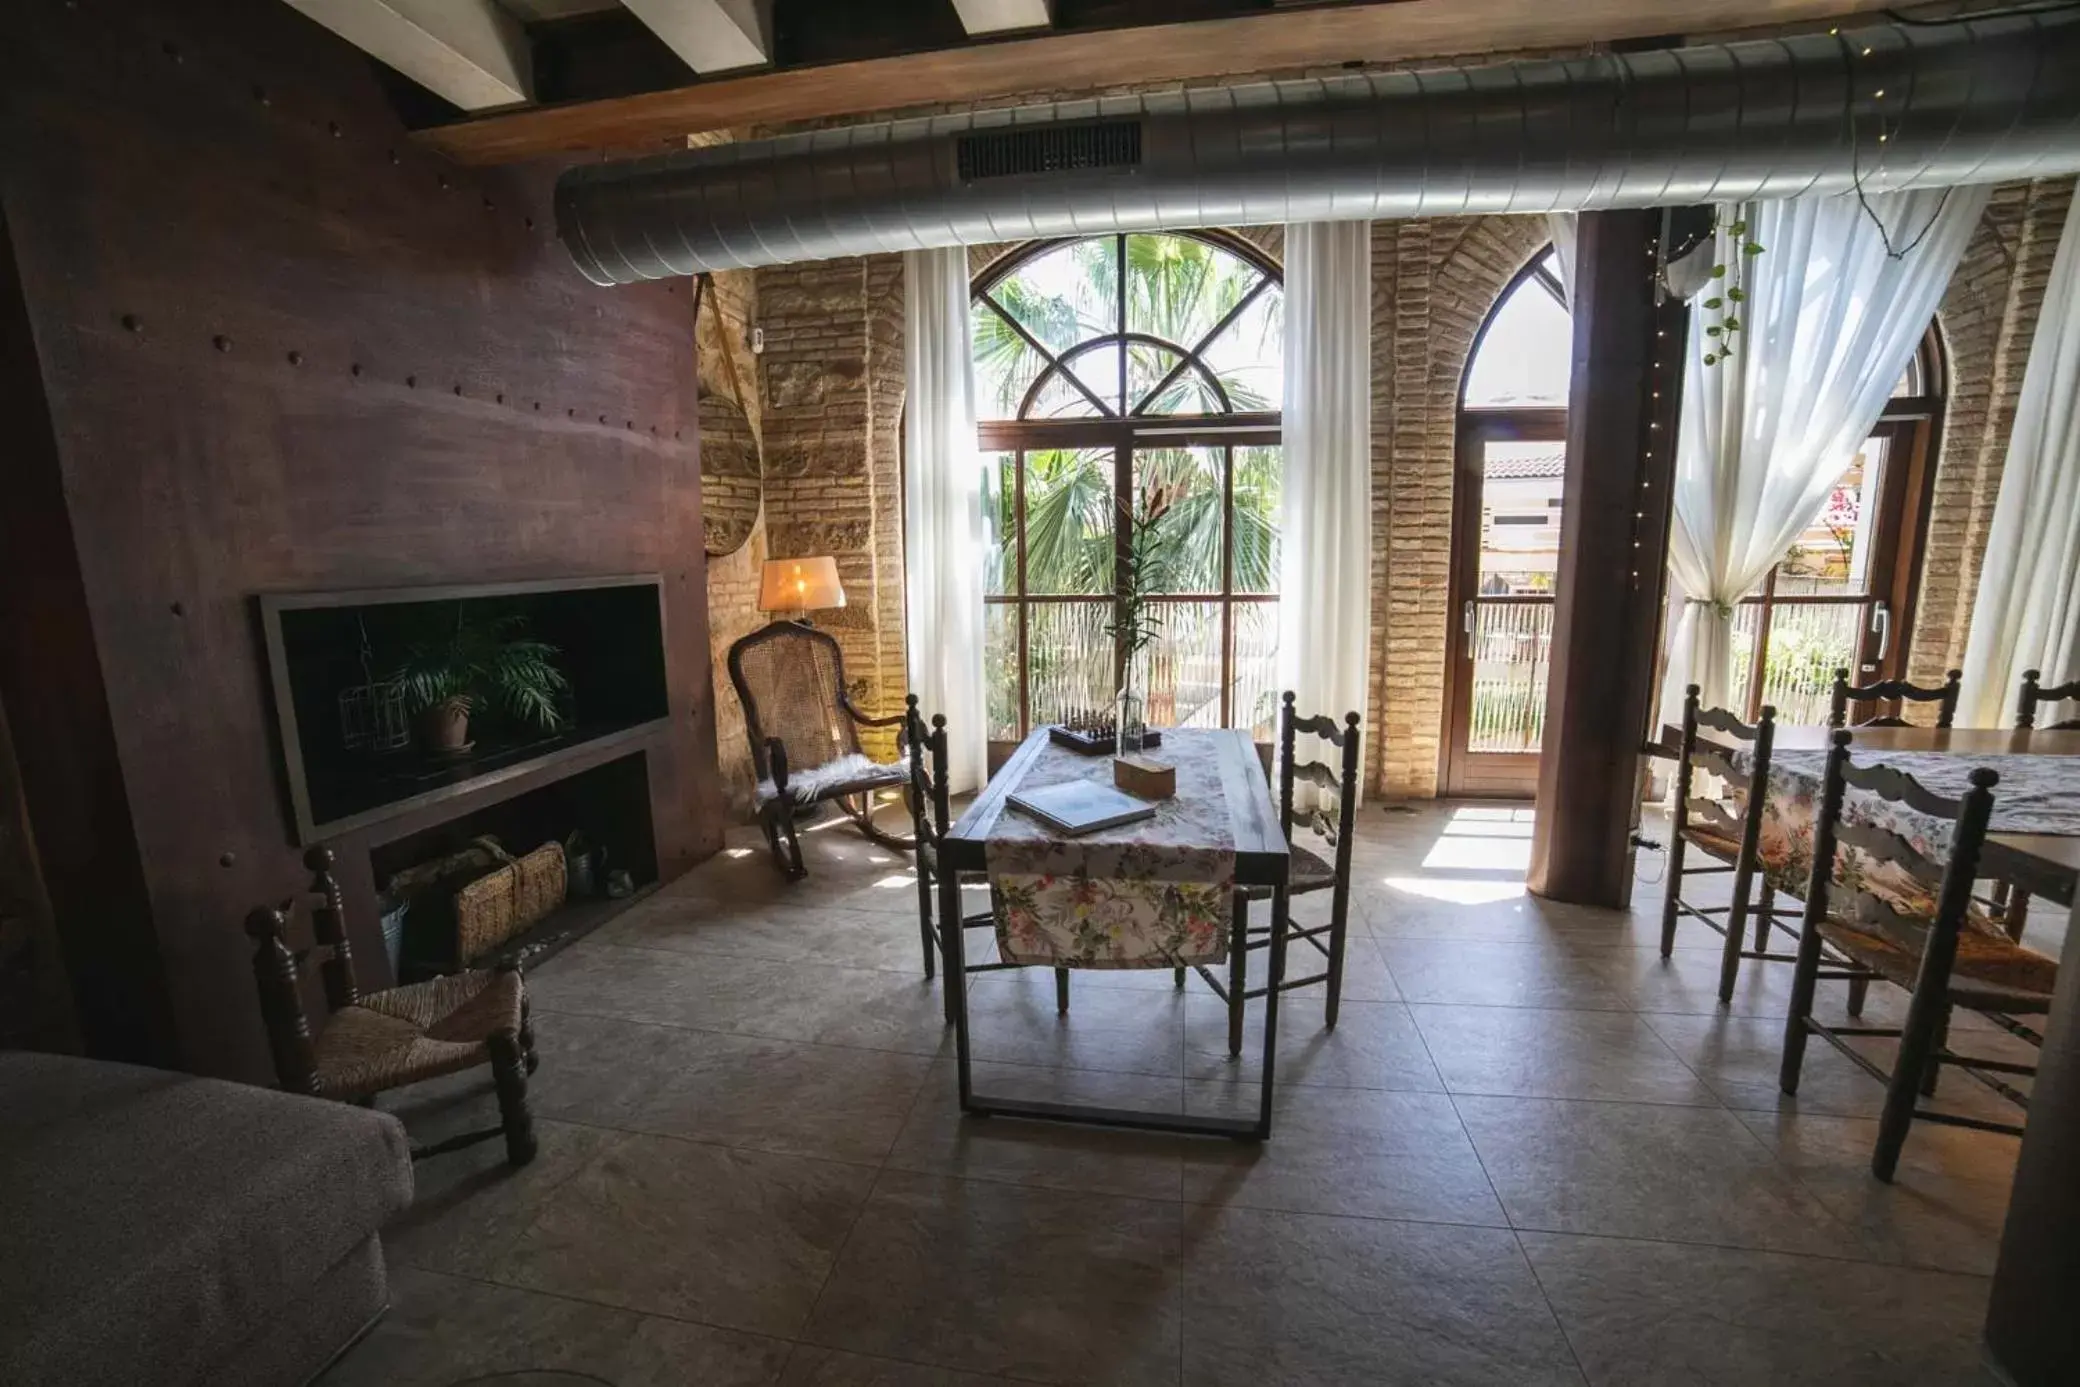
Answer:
(1069, 659)
(1177, 509)
(1832, 554)
(1525, 357)
(1069, 511)
(1098, 369)
(1178, 288)
(1808, 642)
(1000, 526)
(1005, 364)
(1253, 697)
(1512, 644)
(1249, 355)
(1191, 393)
(1521, 486)
(1180, 673)
(1000, 660)
(1058, 399)
(1146, 365)
(1259, 482)
(1068, 295)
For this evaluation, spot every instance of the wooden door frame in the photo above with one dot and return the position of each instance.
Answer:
(1457, 767)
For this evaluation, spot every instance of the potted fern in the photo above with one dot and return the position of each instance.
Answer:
(477, 663)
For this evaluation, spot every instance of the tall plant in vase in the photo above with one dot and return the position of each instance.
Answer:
(1137, 623)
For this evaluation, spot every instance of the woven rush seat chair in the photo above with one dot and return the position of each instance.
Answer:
(1728, 829)
(373, 1042)
(1879, 895)
(931, 812)
(804, 734)
(1307, 871)
(1943, 695)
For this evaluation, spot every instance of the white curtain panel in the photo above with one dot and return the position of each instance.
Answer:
(1561, 227)
(2027, 615)
(1836, 303)
(1325, 517)
(943, 540)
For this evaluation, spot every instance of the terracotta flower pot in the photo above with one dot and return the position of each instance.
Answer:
(445, 726)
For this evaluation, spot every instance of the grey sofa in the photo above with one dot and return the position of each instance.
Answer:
(158, 1228)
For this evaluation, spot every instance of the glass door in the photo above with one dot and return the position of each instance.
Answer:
(1505, 555)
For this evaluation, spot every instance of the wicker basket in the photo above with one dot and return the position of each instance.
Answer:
(518, 893)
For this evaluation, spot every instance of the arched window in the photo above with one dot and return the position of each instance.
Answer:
(1506, 534)
(1843, 598)
(1129, 385)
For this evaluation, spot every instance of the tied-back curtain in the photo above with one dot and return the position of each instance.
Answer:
(942, 508)
(1561, 226)
(1325, 514)
(2027, 615)
(1834, 306)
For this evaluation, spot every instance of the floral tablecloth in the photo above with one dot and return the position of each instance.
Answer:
(1153, 894)
(2036, 794)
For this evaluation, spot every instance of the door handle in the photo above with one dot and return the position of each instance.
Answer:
(1466, 624)
(1881, 622)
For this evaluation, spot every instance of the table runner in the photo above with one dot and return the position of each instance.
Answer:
(1153, 894)
(2036, 794)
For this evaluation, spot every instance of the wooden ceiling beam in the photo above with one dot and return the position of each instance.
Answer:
(1397, 30)
(981, 17)
(469, 53)
(711, 35)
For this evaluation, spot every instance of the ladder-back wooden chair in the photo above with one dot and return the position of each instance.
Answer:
(1896, 900)
(371, 1042)
(804, 734)
(2035, 695)
(2010, 904)
(1309, 871)
(1727, 828)
(1893, 691)
(931, 814)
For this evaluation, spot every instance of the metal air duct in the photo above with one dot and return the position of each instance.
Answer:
(1894, 107)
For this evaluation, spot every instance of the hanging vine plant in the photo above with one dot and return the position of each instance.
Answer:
(1729, 302)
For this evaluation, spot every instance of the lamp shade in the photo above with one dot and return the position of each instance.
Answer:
(800, 585)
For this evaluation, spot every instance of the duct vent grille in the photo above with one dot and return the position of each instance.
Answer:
(1110, 144)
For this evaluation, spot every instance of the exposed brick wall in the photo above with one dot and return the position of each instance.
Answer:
(1432, 284)
(1988, 319)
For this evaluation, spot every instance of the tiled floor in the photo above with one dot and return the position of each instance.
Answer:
(1531, 1152)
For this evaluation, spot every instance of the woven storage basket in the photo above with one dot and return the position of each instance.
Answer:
(516, 894)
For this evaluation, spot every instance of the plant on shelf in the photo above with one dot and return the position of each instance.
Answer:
(480, 662)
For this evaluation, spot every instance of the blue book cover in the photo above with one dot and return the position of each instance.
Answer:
(1081, 806)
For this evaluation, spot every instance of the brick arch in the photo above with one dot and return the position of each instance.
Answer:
(1434, 283)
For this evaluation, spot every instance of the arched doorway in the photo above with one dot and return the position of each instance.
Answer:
(1124, 382)
(1511, 463)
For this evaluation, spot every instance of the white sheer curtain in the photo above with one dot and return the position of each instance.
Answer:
(1325, 516)
(1834, 307)
(942, 508)
(1561, 227)
(2027, 615)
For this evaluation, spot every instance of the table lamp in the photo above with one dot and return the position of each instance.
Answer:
(796, 587)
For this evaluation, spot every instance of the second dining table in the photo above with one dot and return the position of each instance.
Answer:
(1221, 824)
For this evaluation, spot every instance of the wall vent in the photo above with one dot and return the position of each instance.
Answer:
(1109, 144)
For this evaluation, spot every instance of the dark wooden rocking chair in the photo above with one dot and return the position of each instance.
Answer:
(804, 734)
(373, 1042)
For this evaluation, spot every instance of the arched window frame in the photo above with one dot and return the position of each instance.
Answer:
(1225, 429)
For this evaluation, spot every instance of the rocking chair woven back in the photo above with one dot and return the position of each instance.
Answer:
(791, 680)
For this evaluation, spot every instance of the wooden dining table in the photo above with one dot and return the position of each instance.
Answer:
(2046, 865)
(1246, 821)
(2031, 1333)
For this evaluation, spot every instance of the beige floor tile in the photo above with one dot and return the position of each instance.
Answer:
(1343, 1151)
(733, 1238)
(1033, 1284)
(1645, 1170)
(1013, 1019)
(1303, 1300)
(1555, 1054)
(938, 1139)
(1654, 1314)
(1514, 973)
(1374, 1045)
(442, 1330)
(823, 1367)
